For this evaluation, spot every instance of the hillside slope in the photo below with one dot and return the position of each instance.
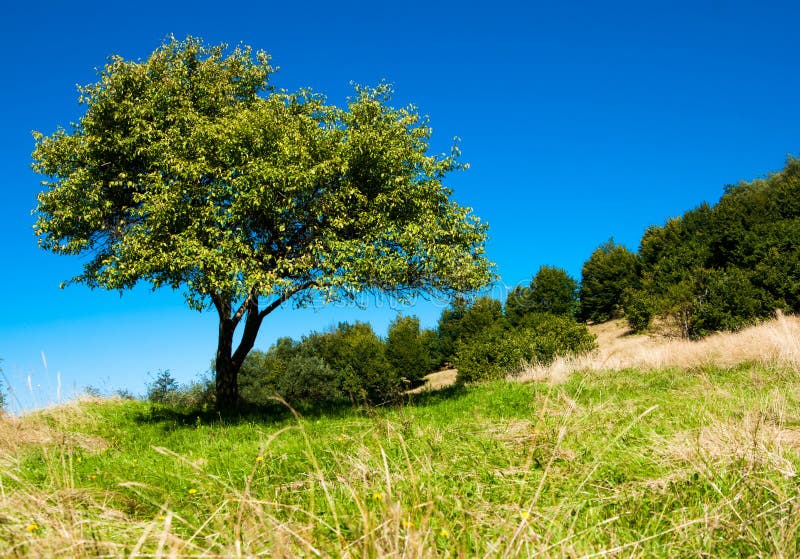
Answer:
(625, 462)
(775, 342)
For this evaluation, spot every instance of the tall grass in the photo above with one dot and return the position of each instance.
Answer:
(663, 463)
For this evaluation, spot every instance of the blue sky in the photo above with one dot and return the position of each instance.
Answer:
(580, 120)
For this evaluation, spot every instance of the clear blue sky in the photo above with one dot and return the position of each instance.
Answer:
(581, 121)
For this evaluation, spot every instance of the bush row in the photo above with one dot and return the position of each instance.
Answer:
(346, 363)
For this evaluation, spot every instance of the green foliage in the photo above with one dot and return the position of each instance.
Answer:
(492, 355)
(124, 394)
(464, 322)
(406, 349)
(538, 338)
(308, 380)
(610, 271)
(449, 327)
(724, 266)
(262, 371)
(197, 395)
(731, 301)
(163, 388)
(557, 336)
(552, 290)
(189, 170)
(433, 347)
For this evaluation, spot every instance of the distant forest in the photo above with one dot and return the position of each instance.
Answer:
(717, 267)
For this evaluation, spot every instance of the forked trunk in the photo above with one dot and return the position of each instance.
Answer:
(229, 361)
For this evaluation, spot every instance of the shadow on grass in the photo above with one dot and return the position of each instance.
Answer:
(275, 412)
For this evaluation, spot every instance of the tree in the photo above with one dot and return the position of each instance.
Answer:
(406, 349)
(610, 271)
(552, 290)
(189, 170)
(449, 327)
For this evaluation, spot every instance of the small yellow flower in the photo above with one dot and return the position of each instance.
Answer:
(92, 476)
(525, 514)
(259, 458)
(377, 496)
(192, 491)
(444, 533)
(408, 524)
(161, 517)
(32, 527)
(341, 438)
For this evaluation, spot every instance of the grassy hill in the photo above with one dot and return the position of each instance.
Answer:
(640, 450)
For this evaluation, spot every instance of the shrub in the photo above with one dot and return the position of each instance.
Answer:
(490, 356)
(462, 322)
(124, 394)
(359, 357)
(638, 310)
(308, 380)
(432, 343)
(556, 336)
(261, 371)
(198, 394)
(730, 302)
(539, 338)
(449, 329)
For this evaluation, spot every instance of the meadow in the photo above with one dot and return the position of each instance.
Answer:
(647, 447)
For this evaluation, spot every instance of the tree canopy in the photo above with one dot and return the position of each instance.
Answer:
(552, 290)
(610, 271)
(190, 170)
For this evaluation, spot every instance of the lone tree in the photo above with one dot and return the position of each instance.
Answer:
(611, 271)
(189, 170)
(552, 290)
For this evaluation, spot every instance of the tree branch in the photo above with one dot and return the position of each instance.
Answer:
(283, 298)
(243, 307)
(217, 300)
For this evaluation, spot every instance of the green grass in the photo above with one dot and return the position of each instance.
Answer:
(658, 463)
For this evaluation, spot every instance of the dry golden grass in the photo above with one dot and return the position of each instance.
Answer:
(51, 426)
(776, 342)
(435, 381)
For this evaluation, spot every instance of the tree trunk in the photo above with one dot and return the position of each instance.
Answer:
(229, 361)
(227, 382)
